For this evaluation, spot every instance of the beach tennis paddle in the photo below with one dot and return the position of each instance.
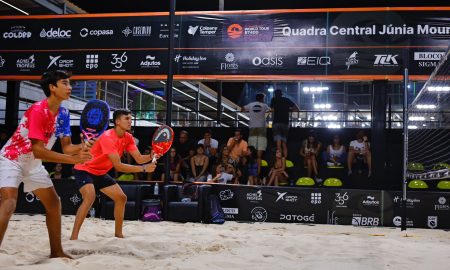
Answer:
(162, 141)
(94, 119)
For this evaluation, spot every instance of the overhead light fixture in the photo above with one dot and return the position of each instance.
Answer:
(14, 7)
(438, 88)
(417, 118)
(270, 89)
(334, 126)
(315, 89)
(322, 106)
(412, 127)
(426, 106)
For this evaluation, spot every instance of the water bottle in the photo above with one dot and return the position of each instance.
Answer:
(92, 212)
(156, 189)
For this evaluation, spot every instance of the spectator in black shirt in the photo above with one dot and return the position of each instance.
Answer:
(186, 149)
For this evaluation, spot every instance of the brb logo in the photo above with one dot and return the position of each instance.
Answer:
(359, 220)
(385, 60)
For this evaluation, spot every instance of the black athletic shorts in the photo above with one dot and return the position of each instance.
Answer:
(100, 181)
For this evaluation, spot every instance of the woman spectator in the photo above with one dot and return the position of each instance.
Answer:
(277, 172)
(335, 154)
(252, 166)
(175, 166)
(199, 165)
(57, 173)
(221, 177)
(309, 151)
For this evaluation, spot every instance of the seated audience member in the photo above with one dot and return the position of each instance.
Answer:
(221, 176)
(210, 145)
(224, 157)
(277, 171)
(175, 166)
(335, 153)
(242, 170)
(199, 165)
(309, 151)
(186, 149)
(252, 166)
(359, 153)
(57, 173)
(237, 146)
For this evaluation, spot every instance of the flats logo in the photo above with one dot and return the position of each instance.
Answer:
(2, 61)
(268, 61)
(297, 218)
(150, 62)
(229, 63)
(26, 64)
(352, 60)
(385, 60)
(118, 61)
(442, 206)
(432, 222)
(287, 198)
(316, 198)
(341, 199)
(313, 61)
(92, 61)
(17, 32)
(60, 63)
(138, 31)
(192, 30)
(370, 201)
(256, 196)
(55, 33)
(259, 214)
(359, 220)
(225, 195)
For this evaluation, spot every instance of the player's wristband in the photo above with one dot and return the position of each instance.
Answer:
(143, 169)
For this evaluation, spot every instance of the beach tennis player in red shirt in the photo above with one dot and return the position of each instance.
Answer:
(106, 154)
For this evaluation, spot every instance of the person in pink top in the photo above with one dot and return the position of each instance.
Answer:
(21, 157)
(93, 174)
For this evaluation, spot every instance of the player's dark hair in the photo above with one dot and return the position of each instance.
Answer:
(51, 78)
(118, 113)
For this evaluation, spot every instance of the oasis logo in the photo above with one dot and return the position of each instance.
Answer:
(359, 220)
(287, 198)
(259, 214)
(96, 32)
(442, 204)
(55, 34)
(297, 218)
(91, 61)
(17, 32)
(230, 64)
(150, 62)
(225, 195)
(61, 63)
(268, 61)
(26, 64)
(341, 199)
(313, 61)
(352, 60)
(432, 222)
(385, 60)
(370, 201)
(257, 196)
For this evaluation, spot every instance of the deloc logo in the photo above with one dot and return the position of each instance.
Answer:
(432, 222)
(316, 198)
(96, 32)
(268, 61)
(92, 61)
(256, 196)
(230, 212)
(352, 60)
(259, 214)
(2, 61)
(397, 220)
(385, 60)
(164, 31)
(370, 201)
(17, 32)
(118, 61)
(331, 218)
(313, 61)
(60, 63)
(341, 199)
(55, 33)
(287, 198)
(75, 199)
(138, 31)
(203, 31)
(442, 205)
(297, 218)
(26, 64)
(359, 220)
(428, 59)
(235, 30)
(150, 62)
(225, 195)
(229, 63)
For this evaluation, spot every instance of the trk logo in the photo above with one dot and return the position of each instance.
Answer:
(119, 60)
(385, 60)
(432, 222)
(226, 195)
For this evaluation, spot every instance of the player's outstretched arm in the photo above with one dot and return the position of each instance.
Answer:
(141, 159)
(122, 167)
(69, 148)
(40, 152)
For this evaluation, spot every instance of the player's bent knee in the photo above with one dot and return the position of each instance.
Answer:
(9, 206)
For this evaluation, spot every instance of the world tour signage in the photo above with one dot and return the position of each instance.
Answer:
(336, 44)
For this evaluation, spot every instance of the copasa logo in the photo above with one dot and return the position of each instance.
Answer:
(96, 32)
(55, 33)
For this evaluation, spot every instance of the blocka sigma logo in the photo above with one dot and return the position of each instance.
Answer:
(297, 218)
(225, 195)
(17, 32)
(432, 222)
(352, 60)
(259, 214)
(359, 220)
(268, 61)
(55, 33)
(428, 59)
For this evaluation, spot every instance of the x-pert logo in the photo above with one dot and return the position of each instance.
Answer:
(117, 60)
(432, 222)
(92, 61)
(226, 195)
(352, 60)
(192, 30)
(259, 214)
(341, 199)
(316, 198)
(385, 60)
(2, 61)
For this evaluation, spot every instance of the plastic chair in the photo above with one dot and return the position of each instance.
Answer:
(444, 184)
(289, 164)
(417, 184)
(415, 166)
(264, 163)
(332, 182)
(305, 181)
(441, 166)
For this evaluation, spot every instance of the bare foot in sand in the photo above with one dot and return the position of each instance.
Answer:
(119, 235)
(60, 255)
